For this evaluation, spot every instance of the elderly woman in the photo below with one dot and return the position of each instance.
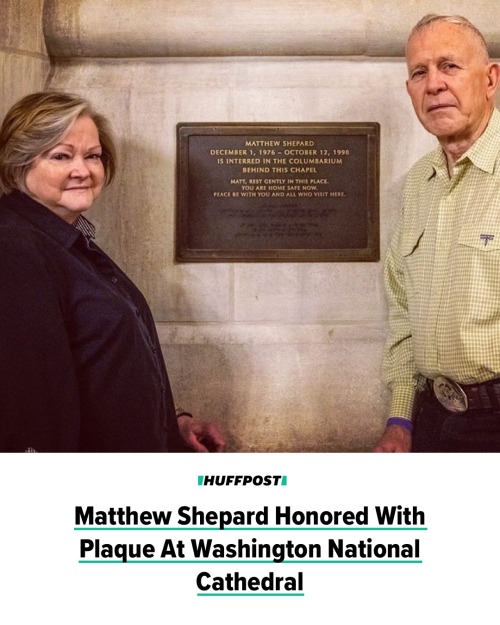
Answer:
(81, 367)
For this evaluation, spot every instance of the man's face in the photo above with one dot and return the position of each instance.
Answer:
(449, 82)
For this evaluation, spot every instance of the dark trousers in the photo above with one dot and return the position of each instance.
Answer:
(438, 430)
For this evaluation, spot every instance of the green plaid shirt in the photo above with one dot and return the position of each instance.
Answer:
(442, 273)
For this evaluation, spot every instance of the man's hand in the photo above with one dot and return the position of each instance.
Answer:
(395, 439)
(201, 436)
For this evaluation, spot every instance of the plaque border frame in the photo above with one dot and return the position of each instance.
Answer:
(183, 211)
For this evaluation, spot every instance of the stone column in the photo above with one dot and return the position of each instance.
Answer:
(24, 62)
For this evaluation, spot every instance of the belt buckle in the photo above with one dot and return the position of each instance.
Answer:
(450, 394)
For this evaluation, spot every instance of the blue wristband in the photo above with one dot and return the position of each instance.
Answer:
(402, 422)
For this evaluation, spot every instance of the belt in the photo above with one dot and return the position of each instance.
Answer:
(465, 397)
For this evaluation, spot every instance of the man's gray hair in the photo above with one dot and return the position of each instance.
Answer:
(458, 20)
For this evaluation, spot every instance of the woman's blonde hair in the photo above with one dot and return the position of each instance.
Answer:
(37, 123)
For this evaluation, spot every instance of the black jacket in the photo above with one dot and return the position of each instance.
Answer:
(81, 367)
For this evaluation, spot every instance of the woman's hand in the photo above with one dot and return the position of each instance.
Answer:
(201, 436)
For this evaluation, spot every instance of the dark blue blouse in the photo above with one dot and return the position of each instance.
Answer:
(81, 367)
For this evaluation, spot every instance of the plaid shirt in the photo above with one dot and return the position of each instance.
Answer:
(442, 273)
(86, 227)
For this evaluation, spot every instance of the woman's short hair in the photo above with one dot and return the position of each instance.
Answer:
(37, 123)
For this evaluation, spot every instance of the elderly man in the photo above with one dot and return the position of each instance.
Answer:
(442, 358)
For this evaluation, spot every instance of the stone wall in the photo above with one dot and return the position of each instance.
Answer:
(24, 63)
(286, 356)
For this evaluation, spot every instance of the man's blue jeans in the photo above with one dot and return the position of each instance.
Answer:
(439, 430)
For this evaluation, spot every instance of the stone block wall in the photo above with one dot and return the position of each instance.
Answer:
(286, 356)
(24, 62)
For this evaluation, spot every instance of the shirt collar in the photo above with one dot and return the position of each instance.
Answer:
(43, 218)
(437, 163)
(85, 226)
(483, 153)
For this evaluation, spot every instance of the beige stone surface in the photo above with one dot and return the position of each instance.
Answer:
(21, 26)
(24, 63)
(281, 388)
(159, 28)
(169, 28)
(284, 396)
(19, 75)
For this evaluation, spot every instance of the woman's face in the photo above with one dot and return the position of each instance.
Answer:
(68, 177)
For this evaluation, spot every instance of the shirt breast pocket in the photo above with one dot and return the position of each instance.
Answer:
(481, 241)
(477, 269)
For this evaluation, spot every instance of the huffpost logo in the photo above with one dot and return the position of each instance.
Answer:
(242, 480)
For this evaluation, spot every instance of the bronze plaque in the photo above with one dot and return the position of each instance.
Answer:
(277, 192)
